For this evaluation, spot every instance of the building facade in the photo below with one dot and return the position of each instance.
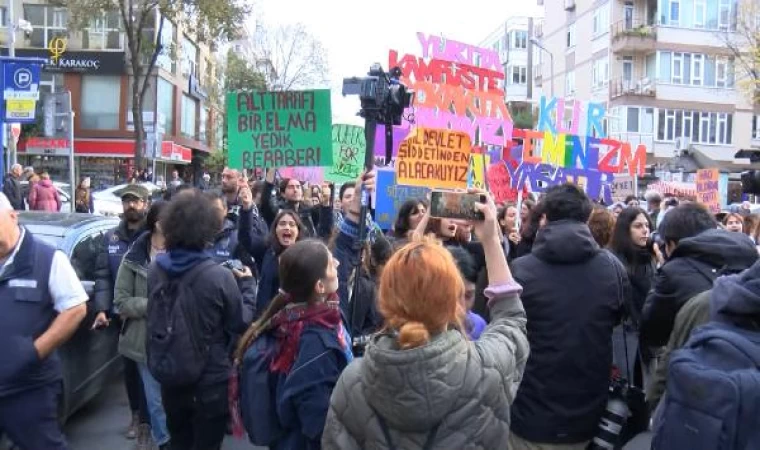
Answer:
(512, 41)
(662, 67)
(92, 64)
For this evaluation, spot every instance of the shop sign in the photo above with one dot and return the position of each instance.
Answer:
(46, 146)
(60, 59)
(196, 90)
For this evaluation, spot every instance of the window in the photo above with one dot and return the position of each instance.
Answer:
(721, 71)
(675, 12)
(571, 35)
(189, 57)
(699, 13)
(149, 101)
(677, 75)
(496, 46)
(666, 67)
(189, 108)
(202, 125)
(697, 69)
(3, 16)
(519, 39)
(100, 102)
(104, 33)
(724, 14)
(601, 21)
(165, 104)
(627, 68)
(519, 75)
(570, 83)
(632, 121)
(85, 254)
(628, 15)
(700, 127)
(47, 22)
(166, 59)
(600, 72)
(755, 127)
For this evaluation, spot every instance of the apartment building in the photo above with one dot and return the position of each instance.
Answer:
(512, 41)
(661, 67)
(92, 65)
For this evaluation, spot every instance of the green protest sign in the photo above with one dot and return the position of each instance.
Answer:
(349, 147)
(279, 129)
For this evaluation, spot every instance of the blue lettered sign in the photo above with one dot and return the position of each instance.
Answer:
(390, 197)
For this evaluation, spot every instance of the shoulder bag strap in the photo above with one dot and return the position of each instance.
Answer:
(431, 438)
(623, 303)
(386, 432)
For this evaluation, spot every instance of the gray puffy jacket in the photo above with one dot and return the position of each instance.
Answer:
(465, 388)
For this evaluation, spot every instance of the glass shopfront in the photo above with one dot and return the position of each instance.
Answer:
(103, 171)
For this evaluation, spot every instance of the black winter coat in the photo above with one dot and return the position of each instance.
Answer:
(572, 296)
(318, 221)
(13, 190)
(691, 269)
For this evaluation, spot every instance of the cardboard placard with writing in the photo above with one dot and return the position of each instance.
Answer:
(708, 189)
(434, 158)
(622, 187)
(349, 147)
(390, 196)
(311, 175)
(279, 129)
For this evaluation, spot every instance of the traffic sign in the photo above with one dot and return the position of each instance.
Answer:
(20, 86)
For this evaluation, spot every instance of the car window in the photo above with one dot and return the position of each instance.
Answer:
(85, 254)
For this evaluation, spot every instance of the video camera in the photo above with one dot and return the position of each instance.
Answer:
(383, 99)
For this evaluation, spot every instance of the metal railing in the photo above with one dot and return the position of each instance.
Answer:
(642, 87)
(632, 28)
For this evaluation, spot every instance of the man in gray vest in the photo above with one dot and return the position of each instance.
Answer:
(42, 303)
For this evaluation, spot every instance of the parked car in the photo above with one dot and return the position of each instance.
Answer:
(90, 358)
(108, 202)
(64, 191)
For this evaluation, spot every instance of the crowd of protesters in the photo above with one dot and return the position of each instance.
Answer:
(258, 310)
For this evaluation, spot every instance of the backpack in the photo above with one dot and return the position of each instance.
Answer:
(258, 400)
(712, 399)
(176, 349)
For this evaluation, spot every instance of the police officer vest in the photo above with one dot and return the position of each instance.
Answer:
(27, 312)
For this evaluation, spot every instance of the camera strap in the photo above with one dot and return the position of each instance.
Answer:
(428, 445)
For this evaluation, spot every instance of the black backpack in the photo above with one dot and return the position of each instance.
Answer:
(177, 350)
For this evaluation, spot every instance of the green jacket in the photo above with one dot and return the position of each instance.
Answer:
(694, 313)
(131, 301)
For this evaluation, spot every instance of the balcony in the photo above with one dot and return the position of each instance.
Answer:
(638, 88)
(633, 37)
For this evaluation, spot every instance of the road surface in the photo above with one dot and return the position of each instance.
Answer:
(101, 424)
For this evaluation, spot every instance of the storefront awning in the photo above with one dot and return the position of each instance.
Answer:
(175, 153)
(114, 148)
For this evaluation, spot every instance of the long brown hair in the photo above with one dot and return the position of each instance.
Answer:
(273, 241)
(301, 266)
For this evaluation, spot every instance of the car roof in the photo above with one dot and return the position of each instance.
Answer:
(60, 224)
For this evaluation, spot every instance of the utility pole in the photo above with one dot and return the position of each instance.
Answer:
(529, 92)
(12, 158)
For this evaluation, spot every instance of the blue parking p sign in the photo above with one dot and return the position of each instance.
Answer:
(20, 87)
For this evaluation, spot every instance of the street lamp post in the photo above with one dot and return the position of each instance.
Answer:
(551, 62)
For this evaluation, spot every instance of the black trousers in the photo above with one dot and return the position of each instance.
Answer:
(30, 419)
(135, 392)
(196, 416)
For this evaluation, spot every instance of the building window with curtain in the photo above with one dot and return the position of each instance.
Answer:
(100, 106)
(189, 57)
(104, 32)
(189, 108)
(47, 22)
(165, 104)
(166, 59)
(203, 125)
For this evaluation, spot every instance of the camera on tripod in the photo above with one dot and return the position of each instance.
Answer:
(383, 97)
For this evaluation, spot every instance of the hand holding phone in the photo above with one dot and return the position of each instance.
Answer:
(456, 205)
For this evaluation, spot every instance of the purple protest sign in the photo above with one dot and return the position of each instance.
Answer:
(399, 134)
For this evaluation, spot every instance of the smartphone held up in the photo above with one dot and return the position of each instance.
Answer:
(456, 205)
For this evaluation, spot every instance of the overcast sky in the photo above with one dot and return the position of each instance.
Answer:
(358, 33)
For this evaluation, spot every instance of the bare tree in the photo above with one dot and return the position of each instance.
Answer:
(290, 57)
(210, 20)
(744, 45)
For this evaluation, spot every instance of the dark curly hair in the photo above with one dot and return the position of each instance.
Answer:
(190, 222)
(402, 227)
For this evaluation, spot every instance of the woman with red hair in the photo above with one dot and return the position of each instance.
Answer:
(422, 383)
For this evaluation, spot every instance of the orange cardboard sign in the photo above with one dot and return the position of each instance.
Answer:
(434, 158)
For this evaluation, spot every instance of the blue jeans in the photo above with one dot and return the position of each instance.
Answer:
(155, 406)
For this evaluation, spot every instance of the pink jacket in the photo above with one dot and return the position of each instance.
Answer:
(44, 197)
